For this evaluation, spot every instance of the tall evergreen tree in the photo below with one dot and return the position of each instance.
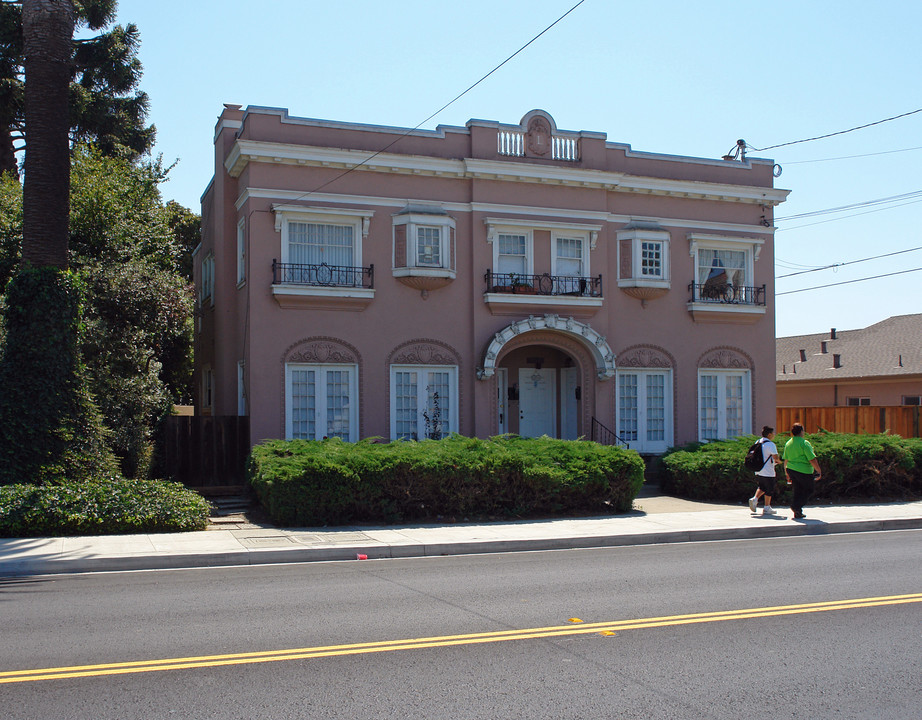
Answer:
(50, 430)
(106, 108)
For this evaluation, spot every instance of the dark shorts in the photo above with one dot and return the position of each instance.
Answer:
(766, 484)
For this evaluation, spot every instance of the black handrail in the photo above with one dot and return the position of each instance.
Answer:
(323, 275)
(604, 435)
(544, 284)
(727, 293)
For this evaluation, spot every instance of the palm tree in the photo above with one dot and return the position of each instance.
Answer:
(47, 31)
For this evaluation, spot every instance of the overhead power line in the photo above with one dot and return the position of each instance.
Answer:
(852, 157)
(839, 132)
(444, 107)
(851, 262)
(853, 206)
(845, 217)
(848, 282)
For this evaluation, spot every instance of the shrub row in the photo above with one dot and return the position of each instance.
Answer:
(331, 482)
(855, 467)
(100, 507)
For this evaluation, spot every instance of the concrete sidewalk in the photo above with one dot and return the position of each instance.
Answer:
(655, 519)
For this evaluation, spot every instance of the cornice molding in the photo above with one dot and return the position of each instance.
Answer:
(246, 151)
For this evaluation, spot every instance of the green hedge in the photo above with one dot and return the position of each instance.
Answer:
(331, 482)
(100, 507)
(855, 467)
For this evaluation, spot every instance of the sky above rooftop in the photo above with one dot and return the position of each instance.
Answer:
(669, 77)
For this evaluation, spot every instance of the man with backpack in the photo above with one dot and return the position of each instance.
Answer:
(766, 473)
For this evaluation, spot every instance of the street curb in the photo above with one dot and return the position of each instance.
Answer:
(50, 565)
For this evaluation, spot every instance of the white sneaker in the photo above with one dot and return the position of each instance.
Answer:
(753, 504)
(768, 511)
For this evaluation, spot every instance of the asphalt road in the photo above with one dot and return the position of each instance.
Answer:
(770, 628)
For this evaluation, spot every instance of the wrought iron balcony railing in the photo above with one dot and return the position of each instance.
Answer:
(545, 284)
(726, 293)
(323, 275)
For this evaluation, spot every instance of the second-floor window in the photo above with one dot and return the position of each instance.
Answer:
(316, 243)
(513, 254)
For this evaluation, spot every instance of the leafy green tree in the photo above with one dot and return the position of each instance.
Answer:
(137, 316)
(49, 427)
(105, 105)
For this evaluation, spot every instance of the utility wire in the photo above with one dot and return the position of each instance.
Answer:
(853, 206)
(852, 157)
(445, 106)
(852, 262)
(840, 132)
(848, 282)
(845, 217)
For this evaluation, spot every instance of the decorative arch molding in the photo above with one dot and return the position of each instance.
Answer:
(581, 354)
(645, 356)
(589, 339)
(726, 358)
(320, 350)
(424, 351)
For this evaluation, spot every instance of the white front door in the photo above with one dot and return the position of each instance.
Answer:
(569, 404)
(537, 402)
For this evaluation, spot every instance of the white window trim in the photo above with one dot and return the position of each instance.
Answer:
(751, 246)
(637, 238)
(529, 247)
(576, 235)
(508, 226)
(241, 252)
(722, 403)
(452, 370)
(669, 412)
(321, 397)
(358, 219)
(412, 221)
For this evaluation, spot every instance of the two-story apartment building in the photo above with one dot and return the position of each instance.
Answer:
(359, 280)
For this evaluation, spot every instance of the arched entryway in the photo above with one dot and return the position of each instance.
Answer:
(545, 372)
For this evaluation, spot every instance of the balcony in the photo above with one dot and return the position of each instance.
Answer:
(724, 302)
(322, 287)
(514, 293)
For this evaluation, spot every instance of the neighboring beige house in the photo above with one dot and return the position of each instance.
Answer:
(368, 281)
(878, 365)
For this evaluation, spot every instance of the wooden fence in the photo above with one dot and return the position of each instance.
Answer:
(902, 420)
(206, 452)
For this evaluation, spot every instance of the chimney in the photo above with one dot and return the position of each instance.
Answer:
(832, 334)
(836, 360)
(823, 347)
(803, 356)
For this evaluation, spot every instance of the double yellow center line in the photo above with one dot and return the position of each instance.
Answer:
(580, 628)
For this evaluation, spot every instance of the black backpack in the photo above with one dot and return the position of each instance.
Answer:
(754, 459)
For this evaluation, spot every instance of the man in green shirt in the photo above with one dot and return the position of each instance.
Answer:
(800, 468)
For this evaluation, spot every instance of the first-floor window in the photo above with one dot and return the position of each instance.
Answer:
(857, 401)
(912, 400)
(724, 404)
(321, 401)
(424, 401)
(644, 413)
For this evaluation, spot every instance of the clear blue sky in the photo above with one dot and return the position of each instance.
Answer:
(669, 76)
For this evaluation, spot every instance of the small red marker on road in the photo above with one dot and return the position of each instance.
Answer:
(360, 556)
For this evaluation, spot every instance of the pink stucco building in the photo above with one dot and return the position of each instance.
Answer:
(360, 280)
